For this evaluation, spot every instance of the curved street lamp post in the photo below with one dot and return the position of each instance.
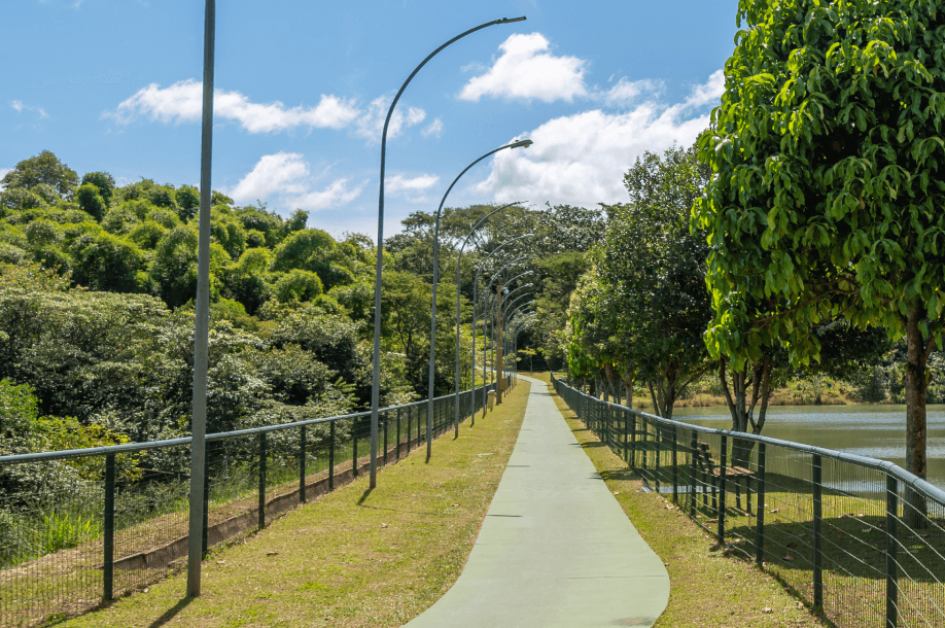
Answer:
(436, 275)
(489, 319)
(459, 261)
(376, 375)
(497, 338)
(475, 298)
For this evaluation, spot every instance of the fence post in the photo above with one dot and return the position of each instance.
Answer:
(398, 434)
(723, 463)
(643, 445)
(262, 480)
(760, 526)
(892, 544)
(205, 534)
(385, 439)
(626, 436)
(818, 517)
(675, 469)
(633, 440)
(610, 425)
(693, 447)
(109, 562)
(331, 456)
(658, 442)
(302, 443)
(354, 447)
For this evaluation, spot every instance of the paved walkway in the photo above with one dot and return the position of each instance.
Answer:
(556, 550)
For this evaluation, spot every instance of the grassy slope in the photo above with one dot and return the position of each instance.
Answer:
(354, 557)
(707, 589)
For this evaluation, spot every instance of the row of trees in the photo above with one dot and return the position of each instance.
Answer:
(96, 308)
(817, 219)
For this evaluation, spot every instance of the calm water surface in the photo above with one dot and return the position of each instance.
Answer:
(875, 431)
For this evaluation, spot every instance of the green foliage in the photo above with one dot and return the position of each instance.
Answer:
(106, 262)
(298, 285)
(91, 201)
(104, 182)
(188, 202)
(174, 266)
(44, 168)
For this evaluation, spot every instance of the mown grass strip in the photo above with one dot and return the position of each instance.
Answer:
(354, 557)
(706, 588)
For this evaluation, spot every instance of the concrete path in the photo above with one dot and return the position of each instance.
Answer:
(556, 550)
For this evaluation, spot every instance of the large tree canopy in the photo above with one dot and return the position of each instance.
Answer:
(829, 182)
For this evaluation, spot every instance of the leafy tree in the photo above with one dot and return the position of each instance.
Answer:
(104, 182)
(828, 186)
(188, 202)
(106, 262)
(174, 266)
(43, 168)
(653, 275)
(298, 285)
(91, 201)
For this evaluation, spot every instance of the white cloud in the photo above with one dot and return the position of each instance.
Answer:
(435, 128)
(281, 172)
(3, 173)
(183, 102)
(710, 92)
(400, 183)
(625, 91)
(287, 175)
(370, 126)
(20, 107)
(339, 192)
(527, 70)
(581, 159)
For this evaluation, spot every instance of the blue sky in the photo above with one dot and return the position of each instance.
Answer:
(302, 87)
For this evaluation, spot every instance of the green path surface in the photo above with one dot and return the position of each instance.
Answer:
(555, 549)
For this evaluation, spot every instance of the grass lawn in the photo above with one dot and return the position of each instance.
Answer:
(706, 588)
(354, 557)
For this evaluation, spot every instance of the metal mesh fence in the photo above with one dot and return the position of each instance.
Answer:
(858, 540)
(118, 519)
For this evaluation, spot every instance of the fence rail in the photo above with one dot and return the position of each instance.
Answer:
(88, 525)
(859, 540)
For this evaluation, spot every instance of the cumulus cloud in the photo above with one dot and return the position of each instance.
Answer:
(527, 70)
(370, 126)
(282, 172)
(625, 92)
(400, 183)
(581, 159)
(287, 175)
(19, 107)
(434, 128)
(183, 102)
(710, 92)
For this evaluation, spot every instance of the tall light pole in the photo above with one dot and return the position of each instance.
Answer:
(376, 375)
(436, 275)
(499, 346)
(475, 297)
(198, 443)
(487, 320)
(459, 260)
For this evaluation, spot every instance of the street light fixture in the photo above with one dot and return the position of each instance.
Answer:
(376, 375)
(475, 299)
(486, 323)
(459, 261)
(497, 345)
(436, 274)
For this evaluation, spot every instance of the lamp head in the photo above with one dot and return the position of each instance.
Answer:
(522, 144)
(509, 20)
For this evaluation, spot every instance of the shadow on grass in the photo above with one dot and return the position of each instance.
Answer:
(364, 496)
(170, 613)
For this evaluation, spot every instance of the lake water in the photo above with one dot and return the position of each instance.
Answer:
(875, 431)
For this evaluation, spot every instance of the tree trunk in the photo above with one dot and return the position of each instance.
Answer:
(917, 382)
